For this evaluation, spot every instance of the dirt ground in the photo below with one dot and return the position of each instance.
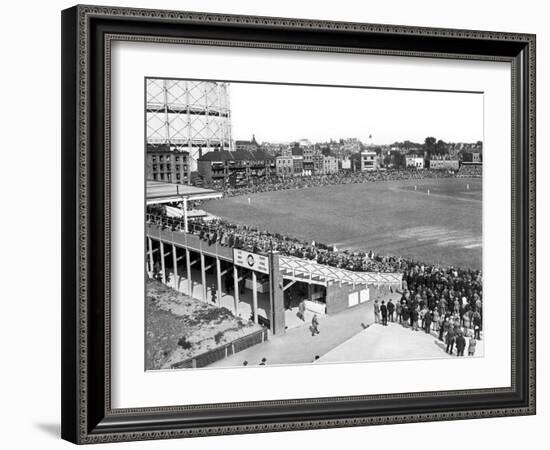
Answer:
(179, 327)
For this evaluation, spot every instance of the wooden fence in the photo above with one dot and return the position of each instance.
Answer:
(211, 356)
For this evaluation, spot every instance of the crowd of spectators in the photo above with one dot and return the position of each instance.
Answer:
(445, 301)
(450, 306)
(279, 183)
(437, 297)
(251, 239)
(431, 292)
(470, 171)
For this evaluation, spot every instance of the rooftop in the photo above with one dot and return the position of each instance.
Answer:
(251, 142)
(303, 269)
(163, 148)
(159, 192)
(238, 155)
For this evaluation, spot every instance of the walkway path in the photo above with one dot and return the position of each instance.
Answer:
(394, 342)
(298, 346)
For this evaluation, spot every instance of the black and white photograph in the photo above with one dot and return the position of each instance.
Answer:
(294, 224)
(276, 225)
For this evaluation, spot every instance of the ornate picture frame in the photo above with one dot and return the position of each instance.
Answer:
(88, 33)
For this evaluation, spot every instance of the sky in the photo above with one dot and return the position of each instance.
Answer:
(284, 113)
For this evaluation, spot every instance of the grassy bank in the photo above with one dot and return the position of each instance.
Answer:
(179, 327)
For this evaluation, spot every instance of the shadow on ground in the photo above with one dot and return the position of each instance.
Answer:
(53, 429)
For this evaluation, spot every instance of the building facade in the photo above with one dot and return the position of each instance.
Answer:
(286, 151)
(330, 164)
(273, 148)
(472, 157)
(236, 168)
(318, 163)
(247, 146)
(298, 165)
(369, 161)
(310, 159)
(344, 164)
(416, 162)
(168, 166)
(284, 165)
(350, 146)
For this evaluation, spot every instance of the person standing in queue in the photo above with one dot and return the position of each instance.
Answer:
(314, 325)
(302, 310)
(435, 320)
(391, 309)
(460, 344)
(427, 321)
(414, 318)
(376, 312)
(384, 312)
(450, 340)
(476, 319)
(399, 312)
(472, 346)
(444, 327)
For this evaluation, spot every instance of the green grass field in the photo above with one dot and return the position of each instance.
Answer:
(444, 226)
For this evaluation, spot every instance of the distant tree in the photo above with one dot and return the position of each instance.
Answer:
(479, 145)
(429, 145)
(441, 148)
(399, 160)
(429, 142)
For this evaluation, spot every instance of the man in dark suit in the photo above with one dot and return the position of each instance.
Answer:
(384, 312)
(391, 309)
(460, 344)
(476, 319)
(427, 320)
(444, 328)
(450, 340)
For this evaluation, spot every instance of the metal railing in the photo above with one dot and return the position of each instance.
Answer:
(295, 268)
(177, 224)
